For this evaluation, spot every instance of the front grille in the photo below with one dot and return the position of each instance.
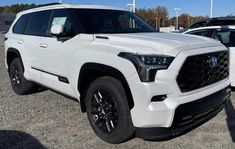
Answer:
(198, 71)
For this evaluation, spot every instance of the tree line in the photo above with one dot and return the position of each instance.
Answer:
(15, 8)
(156, 17)
(159, 17)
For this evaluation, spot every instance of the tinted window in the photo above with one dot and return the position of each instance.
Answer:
(111, 21)
(226, 37)
(62, 17)
(205, 33)
(200, 24)
(223, 22)
(38, 23)
(21, 24)
(232, 39)
(213, 23)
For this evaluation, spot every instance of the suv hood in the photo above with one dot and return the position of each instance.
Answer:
(155, 43)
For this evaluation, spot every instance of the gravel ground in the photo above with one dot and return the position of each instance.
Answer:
(49, 120)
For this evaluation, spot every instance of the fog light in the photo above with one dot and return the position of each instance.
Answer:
(158, 98)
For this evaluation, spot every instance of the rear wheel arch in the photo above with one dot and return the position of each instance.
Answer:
(91, 71)
(13, 53)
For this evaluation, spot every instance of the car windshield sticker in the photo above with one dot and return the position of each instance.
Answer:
(59, 20)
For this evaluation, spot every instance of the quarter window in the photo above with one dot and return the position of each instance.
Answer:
(21, 24)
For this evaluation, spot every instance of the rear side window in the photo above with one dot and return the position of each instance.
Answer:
(227, 37)
(21, 24)
(38, 23)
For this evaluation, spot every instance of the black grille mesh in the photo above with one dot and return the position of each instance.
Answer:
(197, 71)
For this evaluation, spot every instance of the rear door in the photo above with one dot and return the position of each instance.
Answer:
(17, 39)
(33, 34)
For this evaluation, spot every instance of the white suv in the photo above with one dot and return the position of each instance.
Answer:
(129, 79)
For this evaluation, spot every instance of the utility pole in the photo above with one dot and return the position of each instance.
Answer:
(133, 6)
(177, 18)
(212, 2)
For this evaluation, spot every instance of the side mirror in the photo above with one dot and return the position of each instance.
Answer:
(57, 30)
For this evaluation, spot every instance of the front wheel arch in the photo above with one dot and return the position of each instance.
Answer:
(91, 71)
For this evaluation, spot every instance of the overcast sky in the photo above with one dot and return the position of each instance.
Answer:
(192, 7)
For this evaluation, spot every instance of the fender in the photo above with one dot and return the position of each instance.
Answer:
(91, 71)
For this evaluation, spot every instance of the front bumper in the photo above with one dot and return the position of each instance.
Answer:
(188, 116)
(147, 113)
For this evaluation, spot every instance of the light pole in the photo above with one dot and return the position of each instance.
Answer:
(156, 22)
(212, 1)
(133, 6)
(188, 21)
(177, 18)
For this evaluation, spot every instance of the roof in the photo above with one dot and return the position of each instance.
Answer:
(75, 6)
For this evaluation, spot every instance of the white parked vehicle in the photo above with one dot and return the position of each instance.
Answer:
(128, 78)
(224, 34)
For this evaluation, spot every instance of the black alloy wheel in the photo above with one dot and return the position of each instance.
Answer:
(104, 111)
(108, 110)
(19, 84)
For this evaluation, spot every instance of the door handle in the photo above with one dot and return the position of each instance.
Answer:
(20, 42)
(43, 45)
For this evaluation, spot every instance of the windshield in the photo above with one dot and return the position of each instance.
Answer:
(93, 21)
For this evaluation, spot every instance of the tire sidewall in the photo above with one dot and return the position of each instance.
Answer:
(24, 85)
(122, 110)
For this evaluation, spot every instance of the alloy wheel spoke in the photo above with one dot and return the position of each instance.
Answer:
(98, 100)
(108, 125)
(104, 112)
(112, 124)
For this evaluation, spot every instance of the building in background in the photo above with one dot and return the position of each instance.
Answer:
(6, 19)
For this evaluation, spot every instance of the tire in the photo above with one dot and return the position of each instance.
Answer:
(108, 111)
(19, 84)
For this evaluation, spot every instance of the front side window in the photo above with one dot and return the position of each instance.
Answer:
(94, 21)
(62, 17)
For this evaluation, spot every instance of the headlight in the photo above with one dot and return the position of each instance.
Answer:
(147, 65)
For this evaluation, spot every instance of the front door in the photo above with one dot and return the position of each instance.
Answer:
(57, 53)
